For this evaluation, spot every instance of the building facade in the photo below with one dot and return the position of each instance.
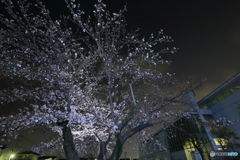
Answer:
(195, 141)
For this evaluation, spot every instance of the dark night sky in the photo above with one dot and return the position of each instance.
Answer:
(207, 33)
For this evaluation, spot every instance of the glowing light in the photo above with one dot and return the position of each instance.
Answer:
(11, 156)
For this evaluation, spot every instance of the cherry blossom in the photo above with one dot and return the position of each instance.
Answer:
(93, 85)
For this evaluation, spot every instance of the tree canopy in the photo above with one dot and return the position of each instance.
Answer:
(88, 80)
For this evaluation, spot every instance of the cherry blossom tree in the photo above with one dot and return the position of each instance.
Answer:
(87, 80)
(47, 64)
(189, 130)
(227, 139)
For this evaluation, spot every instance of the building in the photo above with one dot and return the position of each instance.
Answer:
(224, 101)
(196, 141)
(47, 158)
(27, 155)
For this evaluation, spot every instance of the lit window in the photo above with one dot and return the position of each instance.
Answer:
(214, 101)
(220, 141)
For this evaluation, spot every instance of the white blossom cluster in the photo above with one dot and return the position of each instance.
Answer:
(100, 80)
(222, 122)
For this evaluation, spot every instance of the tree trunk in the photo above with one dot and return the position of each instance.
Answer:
(200, 152)
(120, 140)
(102, 152)
(68, 144)
(117, 149)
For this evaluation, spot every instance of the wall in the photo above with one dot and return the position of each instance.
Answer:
(228, 108)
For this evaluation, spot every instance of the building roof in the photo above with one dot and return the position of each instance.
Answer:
(45, 157)
(233, 82)
(28, 152)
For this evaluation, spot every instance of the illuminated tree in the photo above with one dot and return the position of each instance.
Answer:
(89, 81)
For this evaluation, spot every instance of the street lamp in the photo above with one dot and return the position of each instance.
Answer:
(11, 156)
